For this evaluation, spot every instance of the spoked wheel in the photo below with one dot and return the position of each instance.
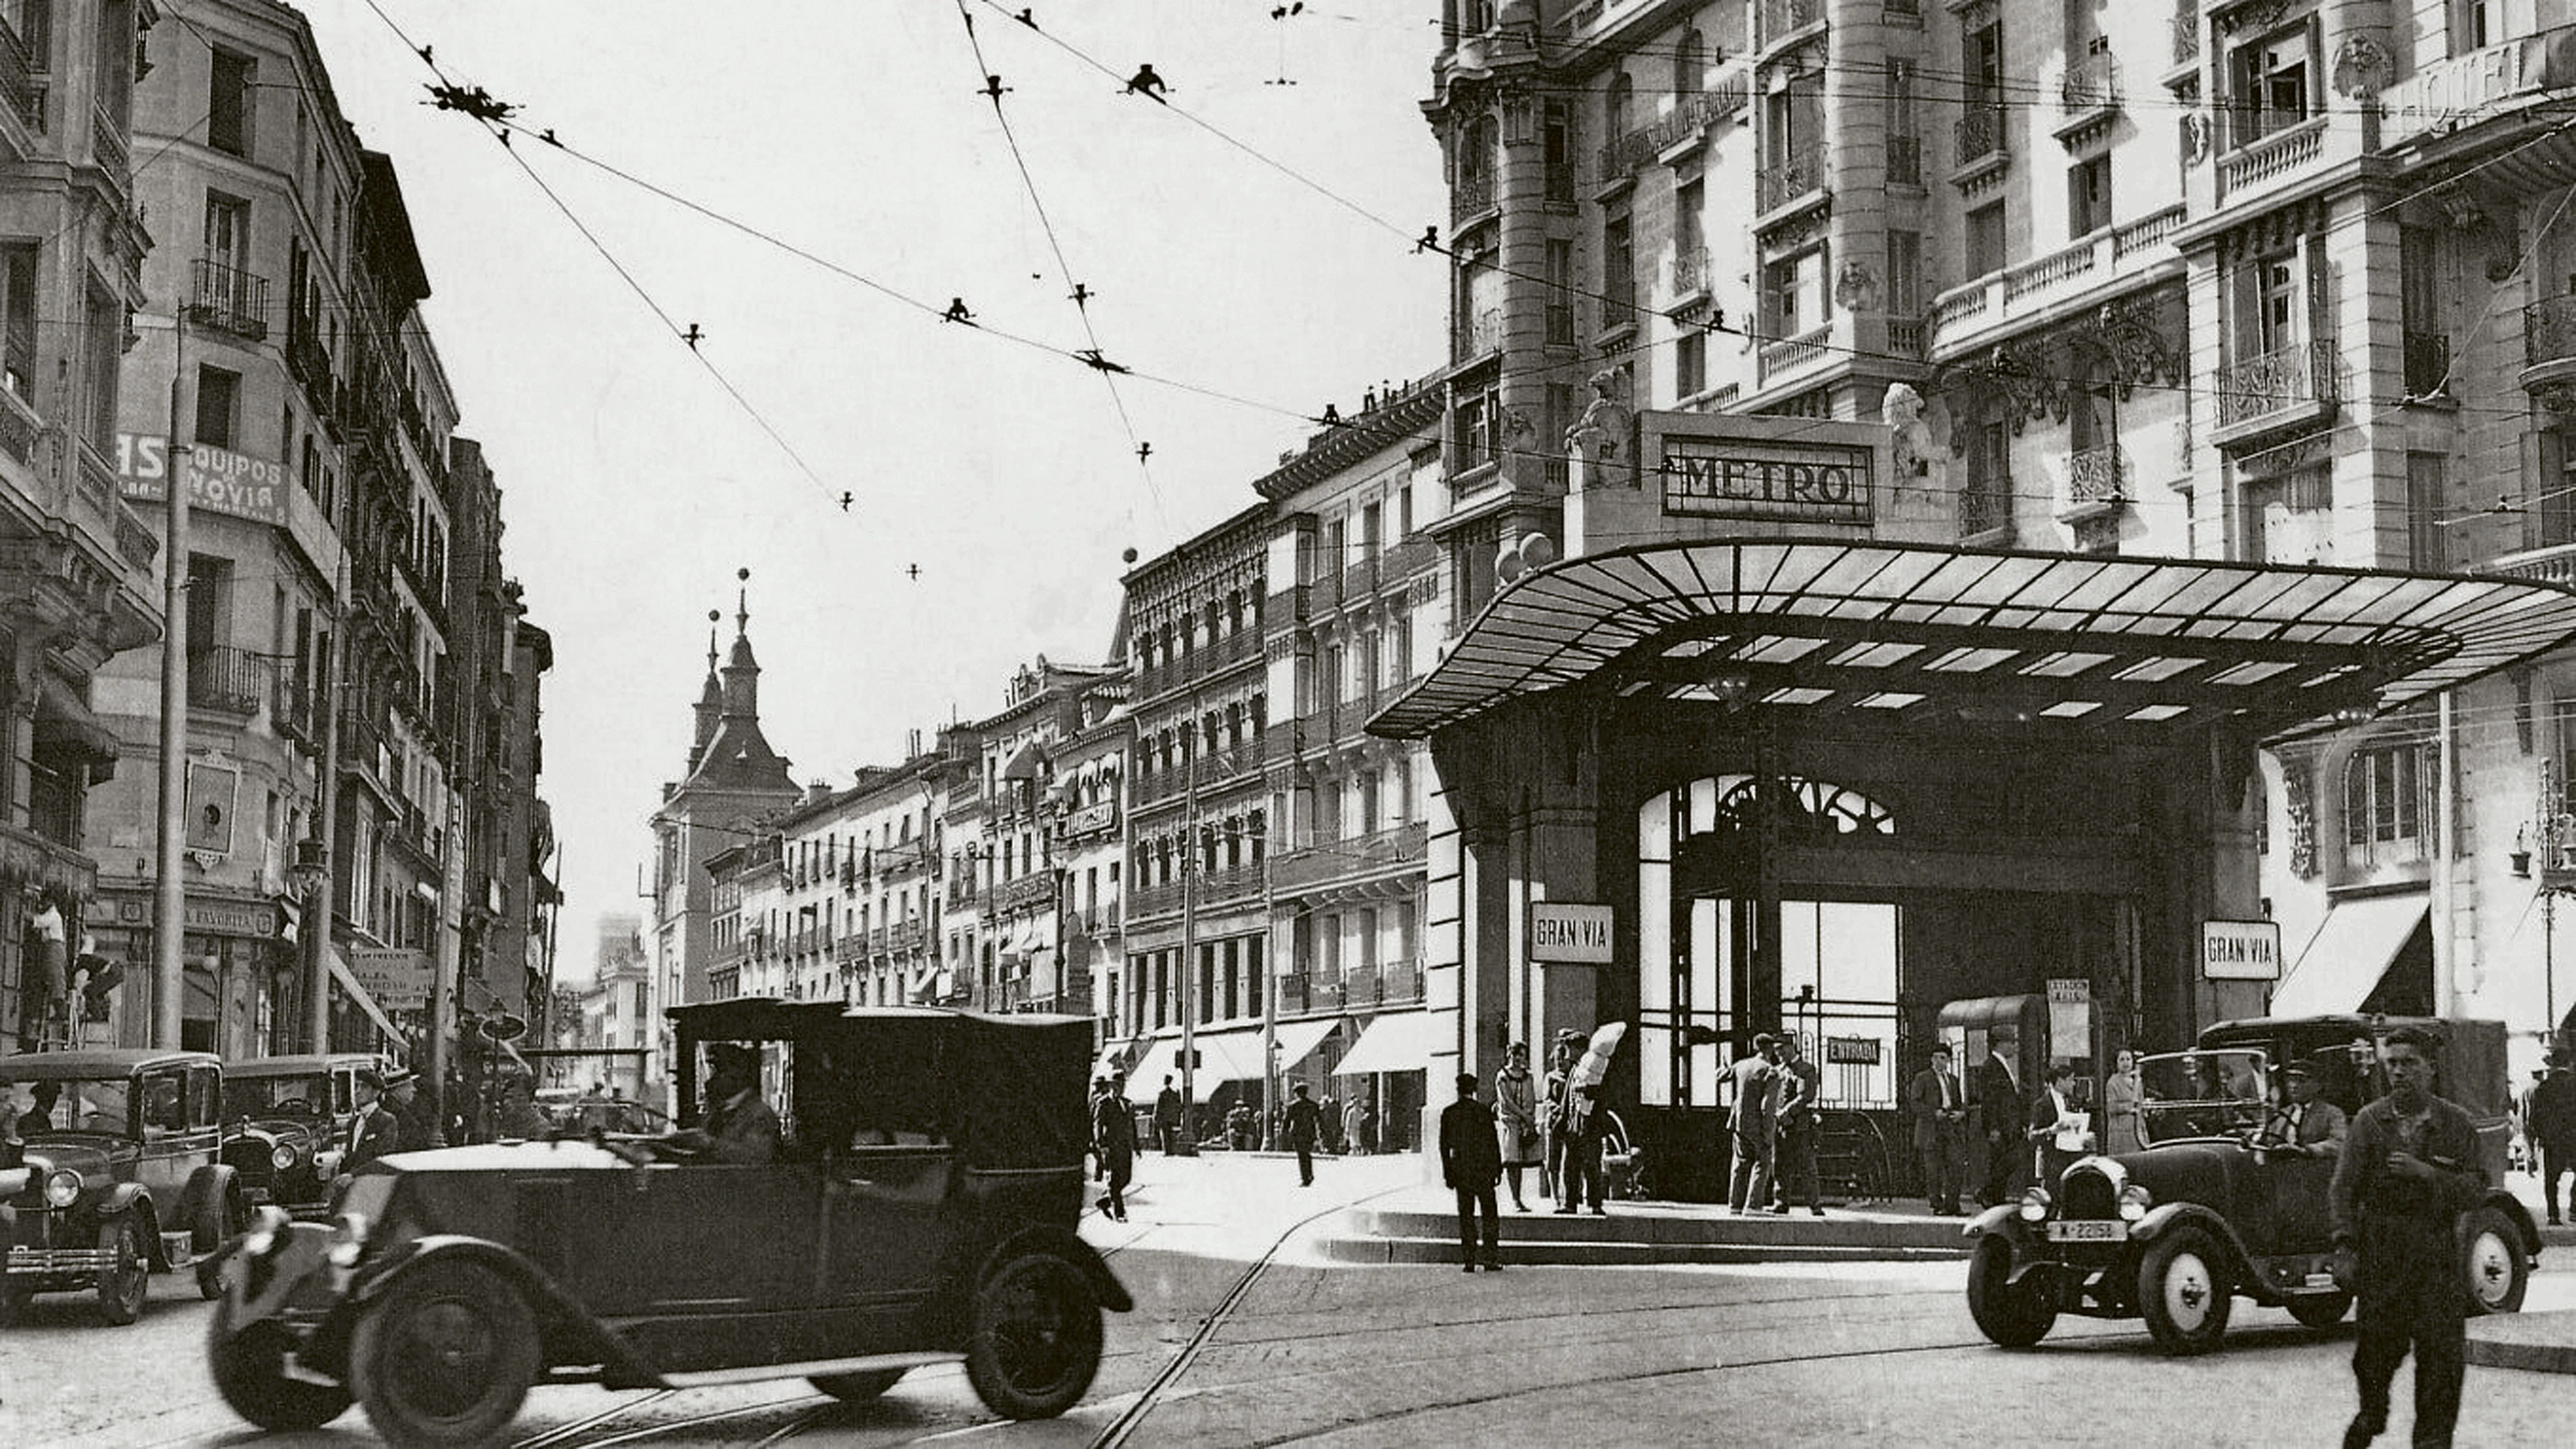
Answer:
(2183, 1292)
(857, 1388)
(122, 1283)
(2014, 1315)
(2498, 1272)
(1037, 1337)
(249, 1369)
(445, 1357)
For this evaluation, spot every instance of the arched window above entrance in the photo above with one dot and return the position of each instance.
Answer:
(1803, 807)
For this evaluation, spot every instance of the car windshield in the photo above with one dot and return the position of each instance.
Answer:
(2201, 1094)
(276, 1096)
(77, 1105)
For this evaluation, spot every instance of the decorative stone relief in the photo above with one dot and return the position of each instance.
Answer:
(1603, 430)
(1917, 455)
(2301, 824)
(2361, 68)
(1856, 288)
(2195, 137)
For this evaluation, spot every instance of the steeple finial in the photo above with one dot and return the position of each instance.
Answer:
(713, 615)
(742, 603)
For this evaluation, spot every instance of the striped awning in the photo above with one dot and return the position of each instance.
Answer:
(1907, 630)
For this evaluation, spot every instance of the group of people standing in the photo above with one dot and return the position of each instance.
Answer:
(1772, 1128)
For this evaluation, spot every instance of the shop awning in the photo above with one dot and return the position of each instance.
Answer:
(65, 725)
(1401, 1041)
(2072, 640)
(358, 994)
(2349, 953)
(1233, 1054)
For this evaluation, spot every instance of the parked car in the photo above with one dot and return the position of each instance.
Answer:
(921, 1210)
(291, 1119)
(2176, 1231)
(122, 1174)
(614, 1116)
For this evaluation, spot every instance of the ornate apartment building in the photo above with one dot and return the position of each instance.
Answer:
(2270, 281)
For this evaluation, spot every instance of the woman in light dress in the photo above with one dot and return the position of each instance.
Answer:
(1516, 1118)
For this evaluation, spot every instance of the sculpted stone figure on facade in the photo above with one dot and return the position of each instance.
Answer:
(1918, 455)
(1604, 428)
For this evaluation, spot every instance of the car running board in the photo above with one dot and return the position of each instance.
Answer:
(709, 1378)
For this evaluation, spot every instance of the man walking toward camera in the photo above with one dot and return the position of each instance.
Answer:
(2549, 1122)
(2409, 1169)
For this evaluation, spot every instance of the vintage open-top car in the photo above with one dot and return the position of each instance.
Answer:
(110, 1167)
(2203, 1212)
(920, 1210)
(290, 1119)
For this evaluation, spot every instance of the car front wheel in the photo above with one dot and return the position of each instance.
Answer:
(2184, 1293)
(1036, 1337)
(2015, 1315)
(122, 1283)
(249, 1369)
(2498, 1272)
(445, 1357)
(858, 1388)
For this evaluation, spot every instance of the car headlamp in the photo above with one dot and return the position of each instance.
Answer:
(348, 1240)
(282, 1156)
(2034, 1204)
(264, 1228)
(2134, 1202)
(62, 1187)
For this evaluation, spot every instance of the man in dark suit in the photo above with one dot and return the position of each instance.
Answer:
(374, 1132)
(1167, 1118)
(1471, 1162)
(2050, 1107)
(1299, 1119)
(2306, 1125)
(1940, 1131)
(1999, 1119)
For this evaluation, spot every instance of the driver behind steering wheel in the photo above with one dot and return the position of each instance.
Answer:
(2306, 1125)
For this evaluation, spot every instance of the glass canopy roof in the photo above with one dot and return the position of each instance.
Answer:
(1903, 630)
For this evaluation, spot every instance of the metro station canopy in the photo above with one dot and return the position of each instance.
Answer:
(1908, 631)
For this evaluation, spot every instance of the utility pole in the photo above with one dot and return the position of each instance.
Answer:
(317, 915)
(170, 895)
(1189, 926)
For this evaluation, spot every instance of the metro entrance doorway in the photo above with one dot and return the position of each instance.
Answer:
(1892, 775)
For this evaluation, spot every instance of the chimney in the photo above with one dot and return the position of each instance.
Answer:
(912, 744)
(818, 791)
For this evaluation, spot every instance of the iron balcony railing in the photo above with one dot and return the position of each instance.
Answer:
(2094, 476)
(2289, 378)
(1985, 507)
(227, 679)
(1473, 193)
(2549, 330)
(2091, 84)
(2428, 362)
(229, 298)
(18, 89)
(1980, 132)
(1618, 301)
(1790, 177)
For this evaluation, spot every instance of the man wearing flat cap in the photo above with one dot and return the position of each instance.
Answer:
(2305, 1126)
(738, 1127)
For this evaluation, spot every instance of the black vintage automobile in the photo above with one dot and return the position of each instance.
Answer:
(921, 1210)
(290, 1119)
(111, 1167)
(2175, 1232)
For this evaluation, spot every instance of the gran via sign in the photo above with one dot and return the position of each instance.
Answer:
(1569, 933)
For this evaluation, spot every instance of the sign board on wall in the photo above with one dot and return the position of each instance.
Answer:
(1851, 1050)
(1569, 933)
(2462, 90)
(219, 479)
(2240, 950)
(2070, 1019)
(1781, 481)
(397, 979)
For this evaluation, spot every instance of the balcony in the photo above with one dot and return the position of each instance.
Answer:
(1782, 19)
(228, 298)
(2088, 95)
(1986, 512)
(2428, 363)
(1904, 160)
(1618, 301)
(1965, 315)
(1790, 354)
(1359, 581)
(1404, 559)
(1982, 133)
(1333, 861)
(2549, 344)
(1473, 195)
(18, 90)
(1233, 883)
(1480, 332)
(2094, 482)
(1691, 276)
(2261, 162)
(1288, 606)
(2279, 389)
(1790, 180)
(2555, 564)
(233, 681)
(1905, 336)
(107, 148)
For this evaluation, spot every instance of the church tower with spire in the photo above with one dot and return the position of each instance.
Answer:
(733, 778)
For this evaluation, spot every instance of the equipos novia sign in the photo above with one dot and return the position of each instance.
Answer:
(1569, 933)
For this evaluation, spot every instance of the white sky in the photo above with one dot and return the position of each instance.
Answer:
(633, 486)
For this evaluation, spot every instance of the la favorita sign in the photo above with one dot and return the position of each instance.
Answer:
(1570, 933)
(2240, 950)
(219, 480)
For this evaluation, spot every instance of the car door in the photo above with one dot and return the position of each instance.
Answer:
(692, 1239)
(884, 1213)
(168, 1146)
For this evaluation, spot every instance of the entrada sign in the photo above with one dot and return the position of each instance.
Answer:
(1569, 933)
(1781, 481)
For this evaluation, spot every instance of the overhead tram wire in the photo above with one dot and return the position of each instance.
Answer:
(1055, 244)
(499, 134)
